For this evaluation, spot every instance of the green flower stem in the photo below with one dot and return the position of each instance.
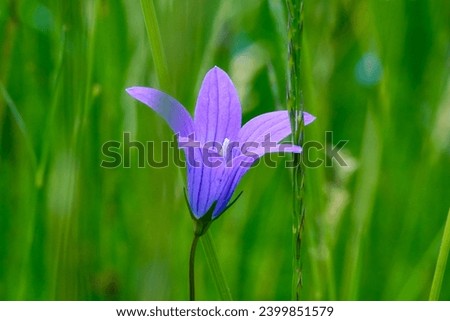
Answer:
(192, 267)
(213, 262)
(154, 37)
(295, 107)
(441, 262)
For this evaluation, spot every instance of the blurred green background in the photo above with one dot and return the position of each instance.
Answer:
(375, 73)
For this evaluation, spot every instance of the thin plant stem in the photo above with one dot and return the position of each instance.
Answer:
(192, 268)
(295, 107)
(213, 262)
(441, 262)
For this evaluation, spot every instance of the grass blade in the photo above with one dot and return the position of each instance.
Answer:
(20, 123)
(441, 262)
(154, 37)
(214, 265)
(364, 199)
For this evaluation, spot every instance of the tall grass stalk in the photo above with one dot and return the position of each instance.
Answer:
(295, 107)
(364, 199)
(441, 262)
(56, 86)
(154, 37)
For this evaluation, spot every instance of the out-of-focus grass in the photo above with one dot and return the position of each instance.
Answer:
(376, 74)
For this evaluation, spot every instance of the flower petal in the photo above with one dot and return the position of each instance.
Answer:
(231, 177)
(204, 181)
(277, 124)
(167, 107)
(254, 153)
(218, 110)
(194, 173)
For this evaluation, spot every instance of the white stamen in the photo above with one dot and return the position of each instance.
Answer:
(224, 150)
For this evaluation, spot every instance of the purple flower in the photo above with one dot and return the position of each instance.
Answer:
(218, 149)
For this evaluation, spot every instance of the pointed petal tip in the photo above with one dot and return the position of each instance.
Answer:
(133, 91)
(217, 70)
(296, 149)
(308, 118)
(218, 113)
(144, 94)
(166, 106)
(218, 73)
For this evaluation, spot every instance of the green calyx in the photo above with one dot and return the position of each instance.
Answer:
(202, 224)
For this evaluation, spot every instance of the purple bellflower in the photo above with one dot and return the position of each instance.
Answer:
(218, 150)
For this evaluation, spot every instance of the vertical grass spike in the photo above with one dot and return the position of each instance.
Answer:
(295, 107)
